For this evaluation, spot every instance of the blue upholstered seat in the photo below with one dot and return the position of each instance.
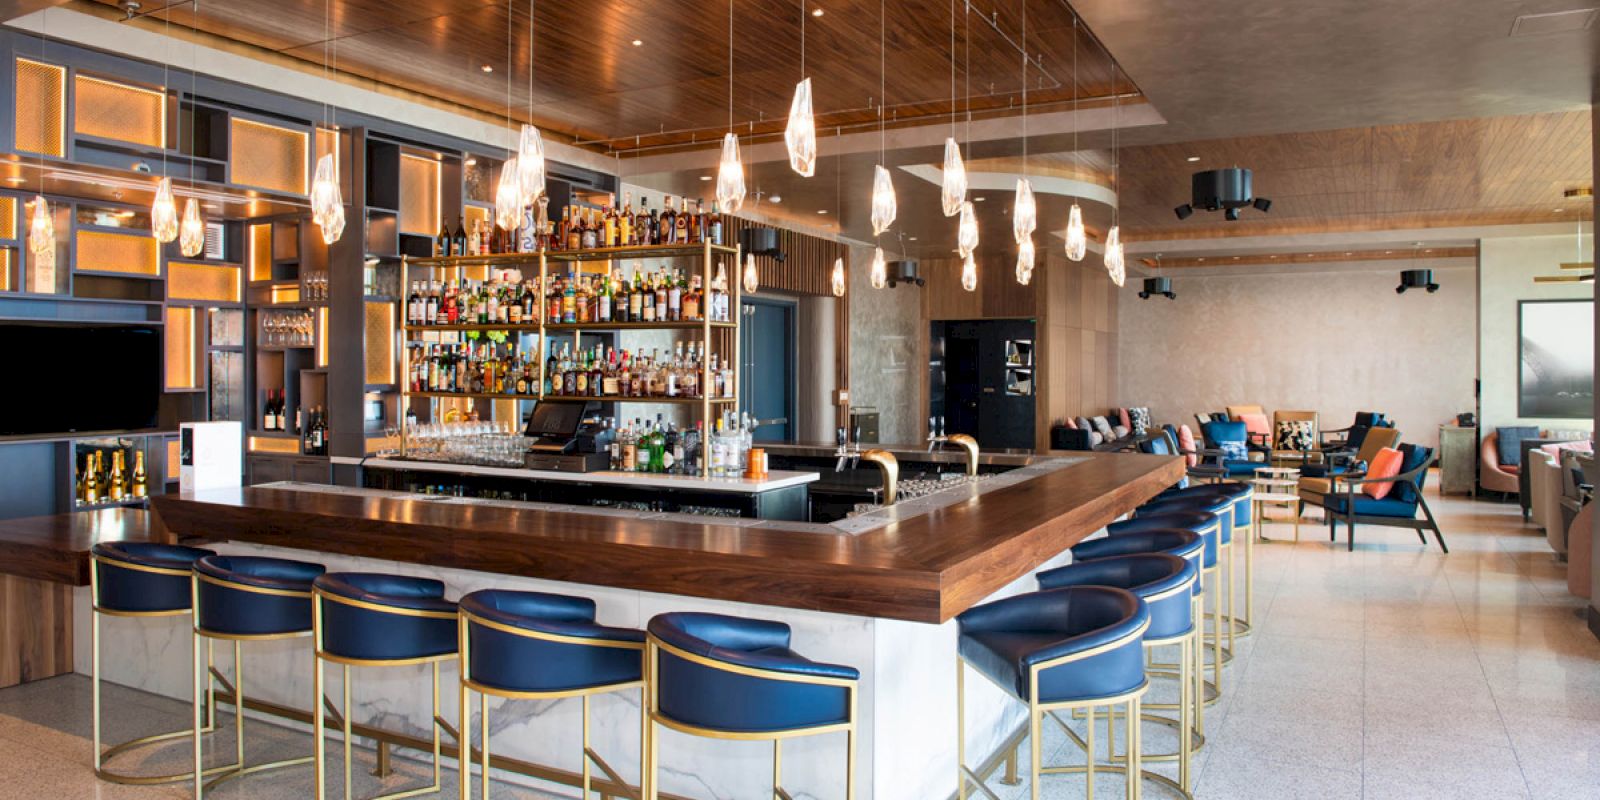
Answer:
(235, 610)
(1203, 523)
(1185, 544)
(412, 621)
(542, 657)
(716, 697)
(1220, 506)
(134, 588)
(1390, 506)
(1006, 638)
(1235, 436)
(1151, 576)
(1241, 494)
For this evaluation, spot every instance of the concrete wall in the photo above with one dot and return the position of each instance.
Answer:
(1333, 342)
(886, 333)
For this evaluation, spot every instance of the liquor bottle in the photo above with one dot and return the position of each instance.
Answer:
(563, 235)
(441, 243)
(458, 242)
(114, 478)
(475, 239)
(680, 224)
(91, 479)
(661, 298)
(644, 227)
(675, 297)
(612, 226)
(625, 231)
(414, 306)
(665, 223)
(691, 301)
(714, 224)
(141, 480)
(266, 412)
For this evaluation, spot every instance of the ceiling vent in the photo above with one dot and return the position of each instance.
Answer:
(1578, 19)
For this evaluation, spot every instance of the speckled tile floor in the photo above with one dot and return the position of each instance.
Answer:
(1391, 672)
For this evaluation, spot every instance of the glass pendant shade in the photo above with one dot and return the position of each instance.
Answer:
(1025, 257)
(954, 191)
(720, 282)
(508, 198)
(880, 269)
(164, 213)
(1114, 264)
(801, 133)
(1024, 212)
(752, 279)
(327, 204)
(730, 176)
(192, 232)
(884, 206)
(1077, 238)
(530, 165)
(967, 231)
(42, 231)
(838, 277)
(969, 274)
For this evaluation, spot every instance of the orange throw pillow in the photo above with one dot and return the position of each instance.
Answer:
(1256, 424)
(1186, 444)
(1386, 464)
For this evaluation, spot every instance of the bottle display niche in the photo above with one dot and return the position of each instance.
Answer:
(587, 228)
(509, 298)
(109, 472)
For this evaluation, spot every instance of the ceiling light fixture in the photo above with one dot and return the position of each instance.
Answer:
(880, 269)
(1025, 212)
(1115, 267)
(1192, 159)
(163, 210)
(638, 42)
(752, 279)
(884, 205)
(487, 68)
(816, 12)
(705, 177)
(838, 282)
(192, 231)
(775, 199)
(953, 186)
(800, 134)
(1077, 238)
(42, 230)
(508, 191)
(530, 145)
(1025, 258)
(822, 211)
(967, 230)
(730, 171)
(969, 274)
(327, 204)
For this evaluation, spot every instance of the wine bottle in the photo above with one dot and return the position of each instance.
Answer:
(458, 244)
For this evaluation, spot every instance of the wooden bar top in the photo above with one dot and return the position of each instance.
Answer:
(55, 548)
(925, 569)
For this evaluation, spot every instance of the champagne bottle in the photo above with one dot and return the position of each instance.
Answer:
(141, 480)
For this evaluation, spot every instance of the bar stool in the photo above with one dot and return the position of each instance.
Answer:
(373, 620)
(138, 579)
(1062, 649)
(1244, 529)
(531, 645)
(1220, 507)
(732, 678)
(1166, 583)
(246, 599)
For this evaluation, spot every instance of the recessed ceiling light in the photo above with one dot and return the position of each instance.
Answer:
(912, 238)
(1348, 253)
(15, 179)
(1192, 159)
(472, 162)
(1202, 258)
(816, 12)
(979, 199)
(487, 68)
(777, 198)
(638, 42)
(822, 211)
(1235, 258)
(705, 177)
(1387, 252)
(1558, 210)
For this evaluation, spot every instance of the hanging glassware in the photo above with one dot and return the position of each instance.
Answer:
(969, 274)
(530, 165)
(192, 233)
(801, 133)
(1025, 257)
(508, 197)
(880, 269)
(1024, 212)
(967, 230)
(730, 176)
(42, 232)
(1077, 238)
(752, 279)
(164, 213)
(884, 207)
(954, 190)
(838, 277)
(1114, 263)
(327, 204)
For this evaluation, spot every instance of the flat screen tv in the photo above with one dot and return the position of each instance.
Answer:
(79, 378)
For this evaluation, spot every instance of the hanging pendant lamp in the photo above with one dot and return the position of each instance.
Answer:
(884, 206)
(530, 165)
(1025, 256)
(969, 274)
(42, 231)
(1024, 212)
(800, 135)
(730, 175)
(838, 283)
(1077, 237)
(954, 189)
(327, 202)
(967, 230)
(192, 232)
(508, 197)
(880, 269)
(1114, 263)
(752, 279)
(164, 213)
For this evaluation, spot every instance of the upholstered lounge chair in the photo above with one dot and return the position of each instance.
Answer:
(1349, 504)
(1494, 476)
(1316, 480)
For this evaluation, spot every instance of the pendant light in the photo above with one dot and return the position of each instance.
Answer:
(838, 283)
(1113, 260)
(967, 230)
(530, 145)
(1115, 266)
(730, 171)
(880, 269)
(800, 135)
(164, 213)
(192, 231)
(1077, 237)
(1024, 211)
(327, 202)
(884, 206)
(752, 279)
(953, 189)
(42, 231)
(508, 197)
(969, 274)
(1025, 258)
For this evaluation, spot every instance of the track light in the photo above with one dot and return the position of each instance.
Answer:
(1184, 211)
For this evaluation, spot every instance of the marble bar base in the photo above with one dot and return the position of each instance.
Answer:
(905, 747)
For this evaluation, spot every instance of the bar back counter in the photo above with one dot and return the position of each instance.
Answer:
(877, 591)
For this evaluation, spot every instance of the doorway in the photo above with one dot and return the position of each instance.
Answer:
(767, 375)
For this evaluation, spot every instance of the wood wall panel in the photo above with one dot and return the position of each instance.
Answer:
(35, 629)
(807, 267)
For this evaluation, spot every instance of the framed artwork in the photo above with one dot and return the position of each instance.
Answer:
(1555, 359)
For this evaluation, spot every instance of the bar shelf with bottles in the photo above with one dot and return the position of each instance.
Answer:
(503, 317)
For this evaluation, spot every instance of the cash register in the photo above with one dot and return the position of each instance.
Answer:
(553, 431)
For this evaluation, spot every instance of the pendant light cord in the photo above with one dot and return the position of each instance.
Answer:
(533, 10)
(194, 90)
(166, 78)
(1024, 88)
(966, 68)
(953, 68)
(509, 52)
(883, 82)
(802, 39)
(730, 65)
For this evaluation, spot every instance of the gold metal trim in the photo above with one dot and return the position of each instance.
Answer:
(383, 609)
(754, 672)
(119, 564)
(245, 587)
(549, 637)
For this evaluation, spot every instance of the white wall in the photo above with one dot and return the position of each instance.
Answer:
(1333, 342)
(1507, 267)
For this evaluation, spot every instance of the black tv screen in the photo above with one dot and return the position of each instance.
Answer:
(79, 378)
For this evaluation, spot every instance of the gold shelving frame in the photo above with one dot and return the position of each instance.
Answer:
(706, 252)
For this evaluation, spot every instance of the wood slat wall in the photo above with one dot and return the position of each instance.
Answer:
(806, 269)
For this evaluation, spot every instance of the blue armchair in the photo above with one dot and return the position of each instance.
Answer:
(1228, 448)
(1347, 502)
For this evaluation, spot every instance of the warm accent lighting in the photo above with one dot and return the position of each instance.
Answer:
(880, 269)
(327, 204)
(730, 176)
(967, 231)
(1114, 263)
(1024, 212)
(1077, 238)
(801, 133)
(42, 232)
(508, 198)
(530, 165)
(838, 277)
(192, 233)
(954, 190)
(883, 203)
(164, 213)
(1025, 256)
(969, 274)
(752, 279)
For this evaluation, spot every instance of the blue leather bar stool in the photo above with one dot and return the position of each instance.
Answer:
(138, 579)
(1245, 530)
(246, 599)
(1221, 507)
(733, 678)
(531, 645)
(369, 619)
(1057, 650)
(1166, 583)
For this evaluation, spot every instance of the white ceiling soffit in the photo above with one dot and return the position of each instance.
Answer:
(1007, 182)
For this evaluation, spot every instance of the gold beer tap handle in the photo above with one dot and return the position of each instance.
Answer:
(971, 446)
(891, 471)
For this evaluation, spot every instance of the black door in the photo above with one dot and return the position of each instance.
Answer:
(767, 384)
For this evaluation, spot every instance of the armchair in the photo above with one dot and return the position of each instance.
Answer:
(1164, 441)
(1494, 476)
(1229, 451)
(1317, 480)
(1544, 506)
(1350, 438)
(1255, 420)
(1294, 437)
(1348, 503)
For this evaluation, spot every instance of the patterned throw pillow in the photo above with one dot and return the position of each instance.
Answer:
(1140, 420)
(1234, 451)
(1295, 435)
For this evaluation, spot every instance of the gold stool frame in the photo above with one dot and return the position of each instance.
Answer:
(1239, 627)
(213, 676)
(1037, 711)
(319, 713)
(589, 755)
(653, 648)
